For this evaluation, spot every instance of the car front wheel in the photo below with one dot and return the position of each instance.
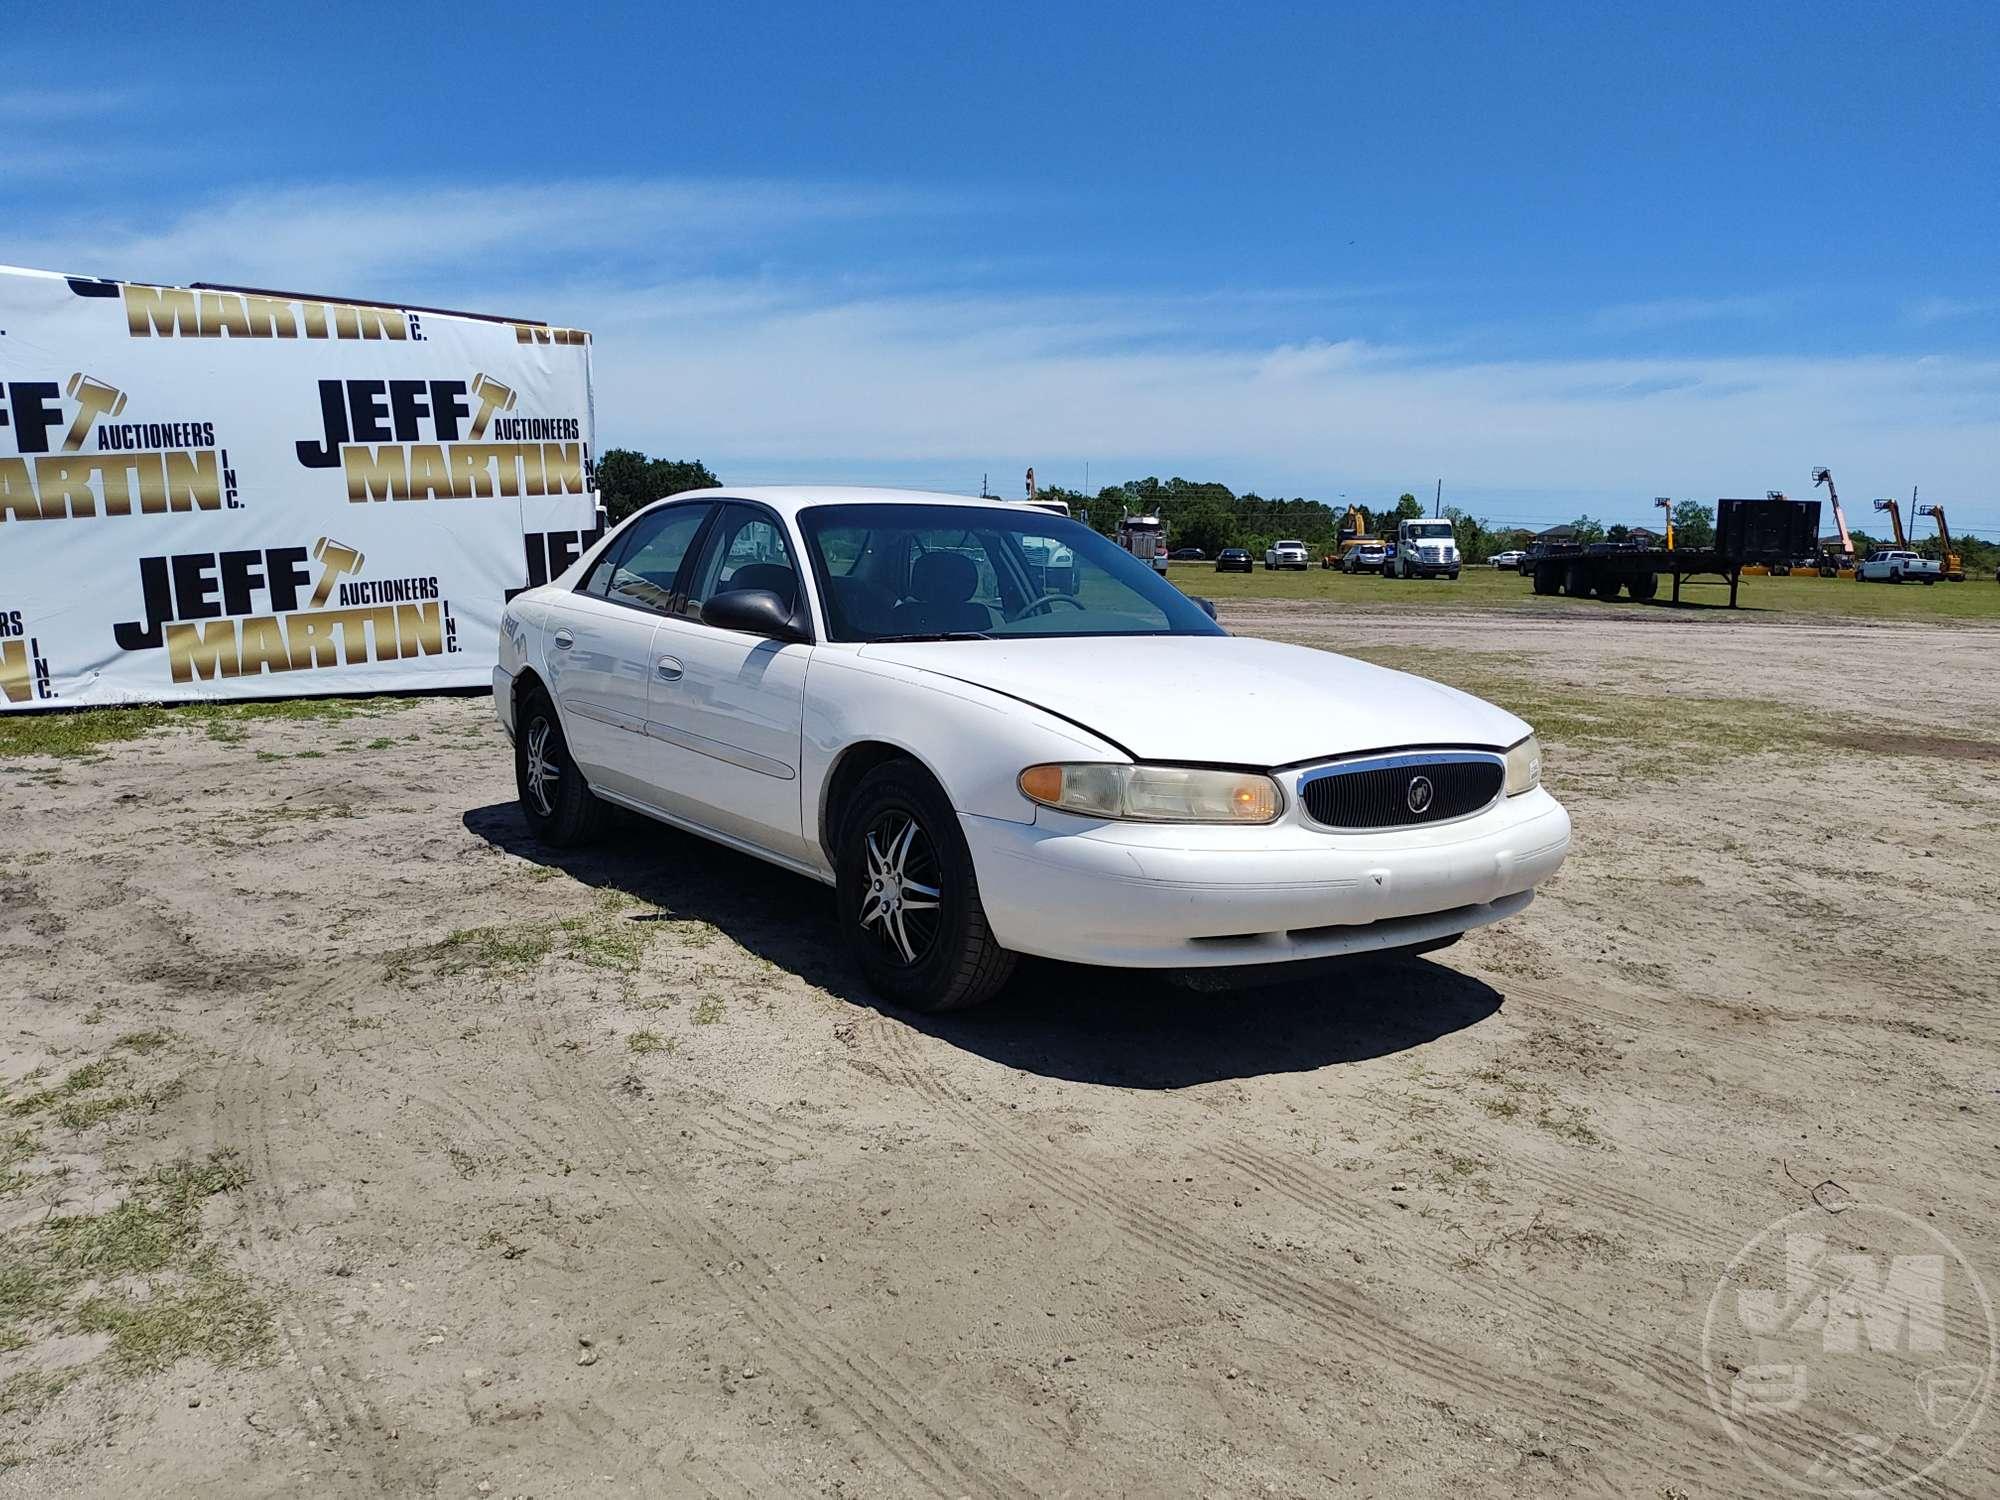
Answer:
(908, 897)
(555, 800)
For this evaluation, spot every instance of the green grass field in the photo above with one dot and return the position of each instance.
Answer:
(1976, 601)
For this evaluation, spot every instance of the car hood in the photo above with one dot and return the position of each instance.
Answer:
(1226, 700)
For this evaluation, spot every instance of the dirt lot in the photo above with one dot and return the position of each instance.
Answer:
(355, 1141)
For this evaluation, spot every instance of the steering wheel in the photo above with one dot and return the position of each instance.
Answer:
(1041, 605)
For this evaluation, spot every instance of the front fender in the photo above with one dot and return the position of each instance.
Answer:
(974, 741)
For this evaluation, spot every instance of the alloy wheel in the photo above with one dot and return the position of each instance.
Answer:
(901, 900)
(544, 770)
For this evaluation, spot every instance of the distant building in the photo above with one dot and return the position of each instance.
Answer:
(1563, 533)
(1643, 536)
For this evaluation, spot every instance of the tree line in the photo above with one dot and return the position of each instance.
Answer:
(1211, 516)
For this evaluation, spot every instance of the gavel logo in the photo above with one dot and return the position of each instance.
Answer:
(97, 400)
(493, 396)
(336, 558)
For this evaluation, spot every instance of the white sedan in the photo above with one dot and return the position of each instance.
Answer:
(893, 693)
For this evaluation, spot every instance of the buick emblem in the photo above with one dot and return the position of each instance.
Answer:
(1420, 794)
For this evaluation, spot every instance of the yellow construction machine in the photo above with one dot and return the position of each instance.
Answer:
(1951, 564)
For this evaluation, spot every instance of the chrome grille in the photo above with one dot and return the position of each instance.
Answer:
(1402, 791)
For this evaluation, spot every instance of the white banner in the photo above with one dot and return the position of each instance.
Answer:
(224, 494)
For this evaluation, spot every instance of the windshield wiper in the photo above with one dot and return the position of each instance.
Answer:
(942, 635)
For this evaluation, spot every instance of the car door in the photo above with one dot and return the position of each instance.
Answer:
(729, 707)
(600, 646)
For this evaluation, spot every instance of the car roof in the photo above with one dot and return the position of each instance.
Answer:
(790, 499)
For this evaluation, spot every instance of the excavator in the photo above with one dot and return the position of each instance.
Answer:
(1841, 566)
(1950, 562)
(1352, 533)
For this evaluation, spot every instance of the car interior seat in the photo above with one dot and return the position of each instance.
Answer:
(776, 577)
(941, 588)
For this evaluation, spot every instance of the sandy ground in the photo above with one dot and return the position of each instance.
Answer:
(599, 1174)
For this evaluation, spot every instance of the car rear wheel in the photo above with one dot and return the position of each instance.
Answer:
(908, 897)
(558, 805)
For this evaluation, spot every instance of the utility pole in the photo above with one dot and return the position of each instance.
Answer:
(1437, 506)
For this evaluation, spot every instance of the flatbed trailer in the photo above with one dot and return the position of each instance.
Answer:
(1772, 530)
(1582, 573)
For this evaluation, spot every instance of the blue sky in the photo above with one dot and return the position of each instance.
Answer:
(1563, 258)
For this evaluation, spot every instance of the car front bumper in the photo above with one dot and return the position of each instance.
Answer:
(1135, 895)
(503, 700)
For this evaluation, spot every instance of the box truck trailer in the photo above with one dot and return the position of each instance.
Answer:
(230, 492)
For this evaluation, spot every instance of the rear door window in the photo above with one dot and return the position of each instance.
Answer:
(642, 573)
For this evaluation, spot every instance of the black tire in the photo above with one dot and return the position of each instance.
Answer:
(1576, 581)
(1645, 585)
(561, 812)
(949, 961)
(1546, 580)
(1453, 575)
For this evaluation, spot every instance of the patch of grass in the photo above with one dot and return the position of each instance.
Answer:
(617, 945)
(90, 1076)
(1567, 1124)
(77, 732)
(707, 1010)
(644, 1042)
(207, 1311)
(28, 1392)
(145, 1043)
(1493, 589)
(491, 950)
(78, 1104)
(81, 1273)
(380, 742)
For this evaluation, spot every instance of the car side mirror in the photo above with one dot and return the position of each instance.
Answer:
(1207, 605)
(753, 611)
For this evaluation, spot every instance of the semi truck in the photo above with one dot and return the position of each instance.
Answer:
(1424, 549)
(1772, 530)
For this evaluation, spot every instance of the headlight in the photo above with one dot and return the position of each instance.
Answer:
(1154, 794)
(1524, 766)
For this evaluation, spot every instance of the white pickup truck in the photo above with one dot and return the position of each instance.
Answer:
(1895, 566)
(1286, 555)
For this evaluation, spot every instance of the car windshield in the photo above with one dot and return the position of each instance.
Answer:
(905, 572)
(1431, 531)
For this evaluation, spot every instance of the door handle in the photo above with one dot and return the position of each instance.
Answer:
(670, 669)
(564, 640)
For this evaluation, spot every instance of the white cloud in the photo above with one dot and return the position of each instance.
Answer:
(1928, 310)
(363, 238)
(1674, 312)
(45, 105)
(871, 373)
